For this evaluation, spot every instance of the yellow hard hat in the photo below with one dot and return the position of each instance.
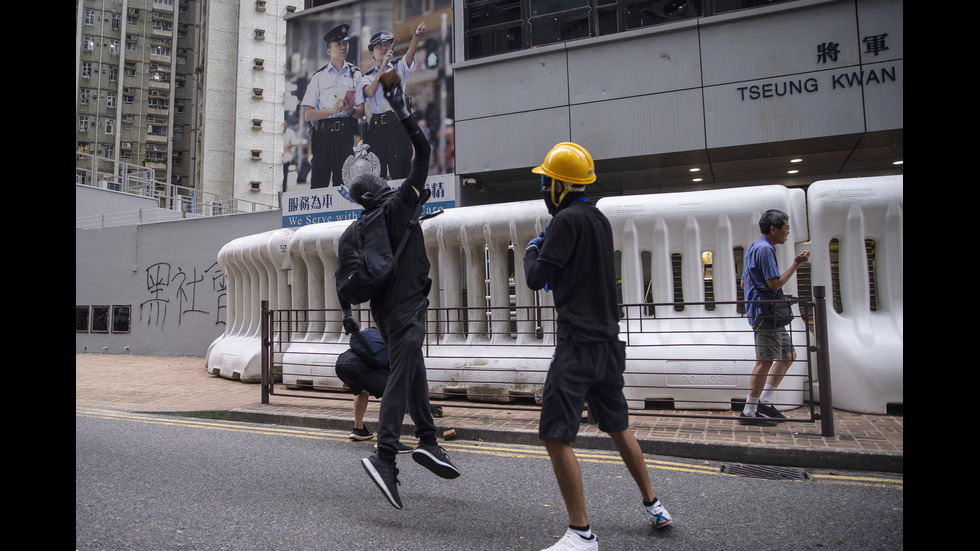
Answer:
(568, 162)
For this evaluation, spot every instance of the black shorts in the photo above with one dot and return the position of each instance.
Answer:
(590, 372)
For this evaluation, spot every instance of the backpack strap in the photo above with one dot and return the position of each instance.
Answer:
(413, 222)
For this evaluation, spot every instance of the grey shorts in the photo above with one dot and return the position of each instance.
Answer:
(771, 343)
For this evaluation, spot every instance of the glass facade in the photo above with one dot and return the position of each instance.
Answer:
(499, 26)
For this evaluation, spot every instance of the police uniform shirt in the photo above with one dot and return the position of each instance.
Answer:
(580, 245)
(377, 103)
(329, 84)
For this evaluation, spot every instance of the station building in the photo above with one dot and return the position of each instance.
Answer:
(677, 95)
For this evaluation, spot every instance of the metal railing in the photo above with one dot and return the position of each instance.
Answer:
(279, 328)
(139, 180)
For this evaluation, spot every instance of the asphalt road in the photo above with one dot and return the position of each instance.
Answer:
(152, 482)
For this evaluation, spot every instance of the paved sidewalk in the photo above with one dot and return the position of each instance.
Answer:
(181, 385)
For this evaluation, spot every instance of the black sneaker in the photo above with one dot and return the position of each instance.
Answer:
(361, 434)
(385, 477)
(756, 421)
(770, 411)
(435, 459)
(436, 411)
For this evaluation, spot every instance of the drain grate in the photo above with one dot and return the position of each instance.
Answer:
(764, 471)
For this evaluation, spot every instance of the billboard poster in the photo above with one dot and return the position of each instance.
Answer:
(336, 120)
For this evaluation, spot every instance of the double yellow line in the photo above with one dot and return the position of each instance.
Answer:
(495, 450)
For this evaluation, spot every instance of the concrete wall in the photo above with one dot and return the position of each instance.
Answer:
(167, 273)
(91, 201)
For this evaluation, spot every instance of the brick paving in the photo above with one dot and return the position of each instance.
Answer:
(181, 385)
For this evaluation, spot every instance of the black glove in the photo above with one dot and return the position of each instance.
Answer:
(350, 324)
(392, 85)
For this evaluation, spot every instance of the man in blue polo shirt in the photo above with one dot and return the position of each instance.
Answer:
(774, 350)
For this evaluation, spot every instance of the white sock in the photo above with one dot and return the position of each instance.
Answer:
(766, 397)
(751, 406)
(584, 534)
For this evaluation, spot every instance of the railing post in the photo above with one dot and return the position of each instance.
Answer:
(266, 352)
(823, 360)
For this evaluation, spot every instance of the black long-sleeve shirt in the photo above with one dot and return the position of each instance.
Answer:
(411, 277)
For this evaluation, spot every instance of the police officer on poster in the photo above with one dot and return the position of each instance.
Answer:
(385, 134)
(331, 110)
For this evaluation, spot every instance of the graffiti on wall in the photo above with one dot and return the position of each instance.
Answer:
(191, 292)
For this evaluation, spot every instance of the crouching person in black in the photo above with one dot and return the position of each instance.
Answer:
(399, 311)
(364, 369)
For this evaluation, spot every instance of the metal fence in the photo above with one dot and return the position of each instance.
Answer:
(175, 201)
(529, 335)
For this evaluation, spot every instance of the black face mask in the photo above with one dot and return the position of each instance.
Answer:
(546, 195)
(567, 196)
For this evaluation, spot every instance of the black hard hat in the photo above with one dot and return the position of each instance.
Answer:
(337, 34)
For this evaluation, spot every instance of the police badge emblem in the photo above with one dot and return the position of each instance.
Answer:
(361, 161)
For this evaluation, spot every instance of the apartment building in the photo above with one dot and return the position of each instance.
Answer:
(137, 74)
(187, 92)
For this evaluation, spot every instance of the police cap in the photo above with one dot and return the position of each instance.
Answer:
(379, 37)
(337, 34)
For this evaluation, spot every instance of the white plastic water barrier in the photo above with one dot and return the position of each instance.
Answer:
(699, 357)
(469, 248)
(255, 270)
(318, 338)
(865, 331)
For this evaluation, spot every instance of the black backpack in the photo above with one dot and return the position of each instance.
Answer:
(365, 260)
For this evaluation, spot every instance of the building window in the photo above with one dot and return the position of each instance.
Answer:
(551, 21)
(158, 130)
(110, 127)
(121, 318)
(81, 319)
(493, 27)
(163, 26)
(100, 319)
(110, 100)
(82, 124)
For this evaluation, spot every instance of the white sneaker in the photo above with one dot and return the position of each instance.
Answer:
(659, 517)
(574, 542)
